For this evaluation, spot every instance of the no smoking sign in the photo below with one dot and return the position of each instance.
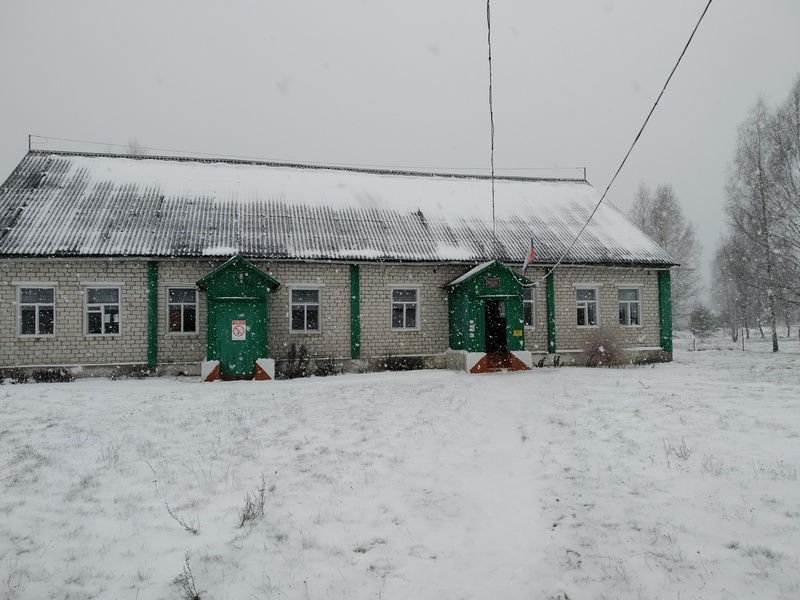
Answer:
(238, 330)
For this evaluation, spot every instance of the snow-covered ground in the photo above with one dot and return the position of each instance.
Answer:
(665, 482)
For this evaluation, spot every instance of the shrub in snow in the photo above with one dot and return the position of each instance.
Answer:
(52, 376)
(603, 348)
(702, 322)
(403, 363)
(186, 580)
(326, 367)
(128, 372)
(297, 363)
(13, 376)
(254, 504)
(190, 526)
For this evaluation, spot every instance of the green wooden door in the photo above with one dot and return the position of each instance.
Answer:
(239, 335)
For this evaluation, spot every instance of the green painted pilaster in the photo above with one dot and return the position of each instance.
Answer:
(551, 313)
(355, 312)
(152, 314)
(665, 309)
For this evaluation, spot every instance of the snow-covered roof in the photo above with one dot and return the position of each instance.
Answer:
(74, 204)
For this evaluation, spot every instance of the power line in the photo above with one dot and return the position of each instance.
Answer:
(491, 121)
(636, 139)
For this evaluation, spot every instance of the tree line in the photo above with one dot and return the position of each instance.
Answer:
(756, 266)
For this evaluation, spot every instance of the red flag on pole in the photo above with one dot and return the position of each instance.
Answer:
(529, 259)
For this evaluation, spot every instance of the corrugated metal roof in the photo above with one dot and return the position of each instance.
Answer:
(74, 204)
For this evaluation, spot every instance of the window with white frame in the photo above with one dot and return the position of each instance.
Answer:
(529, 306)
(629, 307)
(405, 308)
(305, 310)
(37, 310)
(182, 307)
(102, 311)
(586, 300)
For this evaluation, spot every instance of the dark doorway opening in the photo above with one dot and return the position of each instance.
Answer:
(495, 320)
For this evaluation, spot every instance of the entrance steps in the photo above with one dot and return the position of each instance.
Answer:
(489, 362)
(496, 362)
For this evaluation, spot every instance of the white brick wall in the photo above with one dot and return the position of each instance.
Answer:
(608, 280)
(377, 336)
(71, 347)
(333, 281)
(536, 336)
(182, 347)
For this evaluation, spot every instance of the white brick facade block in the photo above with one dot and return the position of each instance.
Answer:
(70, 346)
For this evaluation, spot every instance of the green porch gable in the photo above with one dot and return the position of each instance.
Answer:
(488, 292)
(237, 278)
(237, 316)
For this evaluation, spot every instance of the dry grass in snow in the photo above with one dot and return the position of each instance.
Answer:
(665, 482)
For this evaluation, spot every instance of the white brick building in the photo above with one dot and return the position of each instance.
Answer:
(102, 257)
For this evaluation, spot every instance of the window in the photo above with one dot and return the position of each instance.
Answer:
(182, 306)
(629, 307)
(102, 311)
(405, 308)
(529, 306)
(305, 310)
(37, 310)
(586, 299)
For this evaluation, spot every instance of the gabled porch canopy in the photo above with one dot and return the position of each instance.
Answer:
(237, 317)
(486, 309)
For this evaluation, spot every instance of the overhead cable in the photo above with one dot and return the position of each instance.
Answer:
(636, 139)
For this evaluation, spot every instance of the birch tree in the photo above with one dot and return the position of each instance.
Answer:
(763, 210)
(752, 207)
(660, 216)
(784, 173)
(731, 286)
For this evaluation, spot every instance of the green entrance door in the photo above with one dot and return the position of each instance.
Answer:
(240, 335)
(236, 323)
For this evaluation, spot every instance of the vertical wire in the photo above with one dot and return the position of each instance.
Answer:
(491, 121)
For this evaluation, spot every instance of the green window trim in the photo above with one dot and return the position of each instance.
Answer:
(152, 314)
(665, 310)
(355, 312)
(551, 313)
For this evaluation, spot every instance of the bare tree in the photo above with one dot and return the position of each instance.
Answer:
(135, 148)
(731, 286)
(751, 205)
(660, 216)
(763, 209)
(784, 173)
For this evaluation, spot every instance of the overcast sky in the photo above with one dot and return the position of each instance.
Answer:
(404, 84)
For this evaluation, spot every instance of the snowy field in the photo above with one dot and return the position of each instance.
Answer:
(678, 481)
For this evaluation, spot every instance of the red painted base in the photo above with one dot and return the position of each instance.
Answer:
(261, 374)
(499, 361)
(214, 375)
